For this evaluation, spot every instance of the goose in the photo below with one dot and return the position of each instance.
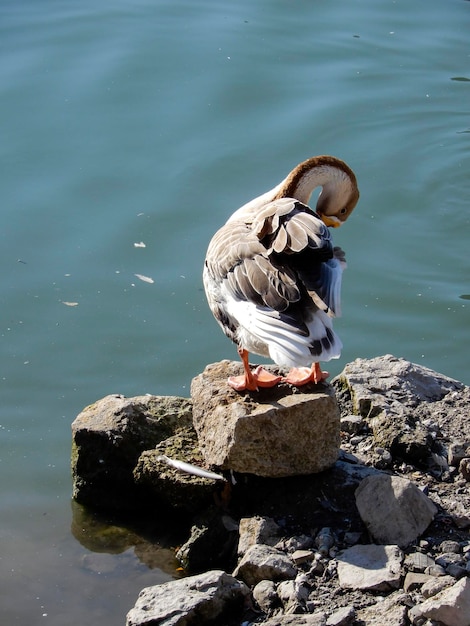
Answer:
(273, 278)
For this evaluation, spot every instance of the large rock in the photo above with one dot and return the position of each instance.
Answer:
(107, 440)
(370, 567)
(450, 607)
(203, 599)
(413, 414)
(384, 381)
(394, 509)
(272, 433)
(397, 398)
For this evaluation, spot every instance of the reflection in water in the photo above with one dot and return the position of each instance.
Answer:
(153, 544)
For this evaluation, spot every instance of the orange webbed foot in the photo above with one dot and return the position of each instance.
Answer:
(264, 378)
(259, 377)
(299, 376)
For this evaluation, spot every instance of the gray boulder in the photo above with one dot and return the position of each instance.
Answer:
(107, 440)
(194, 601)
(387, 381)
(398, 399)
(450, 607)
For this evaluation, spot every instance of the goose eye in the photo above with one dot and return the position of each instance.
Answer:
(343, 211)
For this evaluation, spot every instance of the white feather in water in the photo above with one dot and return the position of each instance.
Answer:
(189, 469)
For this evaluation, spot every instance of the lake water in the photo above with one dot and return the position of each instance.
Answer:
(148, 123)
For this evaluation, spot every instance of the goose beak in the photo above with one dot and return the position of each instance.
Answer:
(330, 220)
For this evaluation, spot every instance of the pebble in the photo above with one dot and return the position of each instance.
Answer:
(464, 468)
(342, 617)
(451, 606)
(264, 562)
(435, 570)
(456, 570)
(257, 529)
(357, 439)
(318, 566)
(394, 509)
(449, 545)
(294, 593)
(456, 452)
(435, 585)
(298, 542)
(449, 558)
(414, 580)
(384, 460)
(286, 592)
(352, 424)
(324, 541)
(331, 569)
(351, 538)
(265, 595)
(302, 556)
(418, 562)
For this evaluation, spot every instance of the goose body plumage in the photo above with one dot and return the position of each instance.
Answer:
(273, 277)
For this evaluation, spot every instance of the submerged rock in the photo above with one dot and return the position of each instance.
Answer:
(272, 433)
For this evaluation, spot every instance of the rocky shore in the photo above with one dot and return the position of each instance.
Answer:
(342, 504)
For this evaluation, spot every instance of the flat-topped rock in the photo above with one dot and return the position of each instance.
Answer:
(276, 432)
(370, 567)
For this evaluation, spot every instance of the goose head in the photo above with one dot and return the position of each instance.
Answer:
(339, 194)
